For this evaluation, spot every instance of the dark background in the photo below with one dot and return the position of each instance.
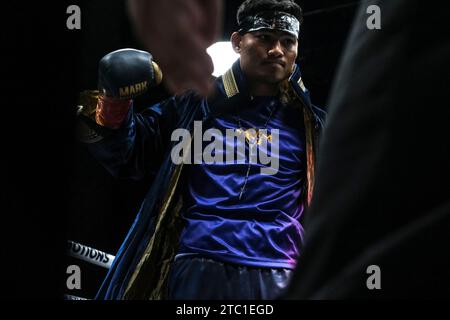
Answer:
(53, 189)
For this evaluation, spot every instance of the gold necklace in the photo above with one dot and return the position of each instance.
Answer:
(253, 137)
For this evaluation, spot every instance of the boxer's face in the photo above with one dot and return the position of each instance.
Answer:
(266, 56)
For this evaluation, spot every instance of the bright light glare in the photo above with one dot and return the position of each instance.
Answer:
(223, 56)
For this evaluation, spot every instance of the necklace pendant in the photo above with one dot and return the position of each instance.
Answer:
(262, 136)
(252, 136)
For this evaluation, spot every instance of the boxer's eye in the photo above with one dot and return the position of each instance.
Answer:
(263, 37)
(288, 42)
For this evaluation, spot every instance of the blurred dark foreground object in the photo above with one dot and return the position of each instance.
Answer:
(383, 186)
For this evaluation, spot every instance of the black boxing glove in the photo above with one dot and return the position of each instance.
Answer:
(123, 75)
(126, 73)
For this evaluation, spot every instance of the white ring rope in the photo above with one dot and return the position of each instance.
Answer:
(89, 254)
(72, 297)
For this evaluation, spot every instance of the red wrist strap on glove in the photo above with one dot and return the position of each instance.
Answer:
(111, 112)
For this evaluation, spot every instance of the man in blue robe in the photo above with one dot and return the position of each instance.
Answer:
(213, 229)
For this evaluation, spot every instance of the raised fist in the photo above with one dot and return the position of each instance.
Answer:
(123, 75)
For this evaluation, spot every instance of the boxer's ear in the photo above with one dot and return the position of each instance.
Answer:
(236, 42)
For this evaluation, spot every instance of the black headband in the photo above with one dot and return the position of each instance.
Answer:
(271, 20)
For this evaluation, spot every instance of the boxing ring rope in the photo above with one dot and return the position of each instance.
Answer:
(89, 255)
(72, 297)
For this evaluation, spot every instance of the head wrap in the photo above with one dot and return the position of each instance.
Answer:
(271, 20)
